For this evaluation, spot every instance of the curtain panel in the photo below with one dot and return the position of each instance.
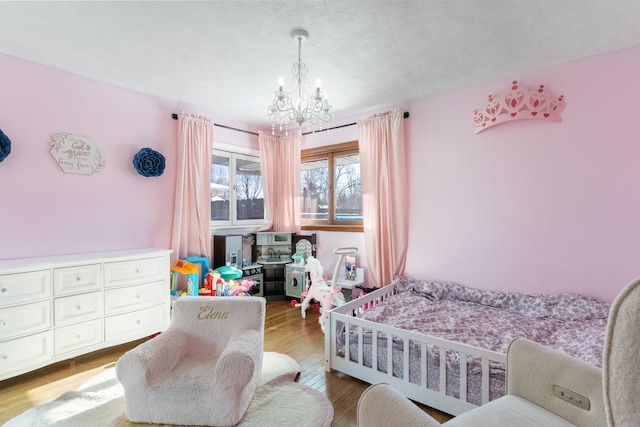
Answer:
(191, 235)
(384, 199)
(280, 164)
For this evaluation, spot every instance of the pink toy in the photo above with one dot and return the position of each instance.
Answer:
(241, 288)
(295, 303)
(327, 296)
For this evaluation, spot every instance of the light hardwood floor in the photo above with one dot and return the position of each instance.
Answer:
(285, 332)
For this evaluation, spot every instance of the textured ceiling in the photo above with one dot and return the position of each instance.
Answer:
(224, 57)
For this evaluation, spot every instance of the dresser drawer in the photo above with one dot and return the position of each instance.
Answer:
(136, 271)
(133, 297)
(24, 319)
(81, 278)
(24, 287)
(21, 353)
(137, 324)
(80, 335)
(76, 308)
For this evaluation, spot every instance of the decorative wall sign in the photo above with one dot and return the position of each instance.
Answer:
(76, 154)
(519, 103)
(149, 162)
(5, 146)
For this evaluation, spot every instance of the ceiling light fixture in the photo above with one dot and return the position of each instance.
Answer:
(298, 105)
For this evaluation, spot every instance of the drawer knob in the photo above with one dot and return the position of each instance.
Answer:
(3, 290)
(138, 296)
(4, 357)
(77, 278)
(3, 323)
(78, 307)
(138, 321)
(137, 271)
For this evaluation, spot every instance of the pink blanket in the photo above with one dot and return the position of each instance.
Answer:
(487, 319)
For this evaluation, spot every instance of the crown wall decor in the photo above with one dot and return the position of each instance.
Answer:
(519, 103)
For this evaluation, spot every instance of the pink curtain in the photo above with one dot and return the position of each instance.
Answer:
(191, 234)
(384, 200)
(280, 163)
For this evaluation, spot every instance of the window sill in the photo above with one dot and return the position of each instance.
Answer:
(236, 229)
(332, 227)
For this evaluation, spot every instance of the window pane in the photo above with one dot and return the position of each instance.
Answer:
(249, 196)
(348, 193)
(220, 188)
(314, 189)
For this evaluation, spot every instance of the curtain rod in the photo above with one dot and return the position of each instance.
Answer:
(174, 116)
(405, 115)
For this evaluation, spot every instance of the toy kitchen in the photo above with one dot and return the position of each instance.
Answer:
(272, 260)
(283, 271)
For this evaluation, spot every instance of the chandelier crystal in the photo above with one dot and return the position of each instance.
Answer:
(298, 105)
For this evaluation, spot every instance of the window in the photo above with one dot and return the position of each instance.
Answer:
(236, 189)
(331, 188)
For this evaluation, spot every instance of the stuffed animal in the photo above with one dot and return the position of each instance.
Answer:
(319, 290)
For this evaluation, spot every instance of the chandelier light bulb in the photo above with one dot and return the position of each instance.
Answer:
(281, 82)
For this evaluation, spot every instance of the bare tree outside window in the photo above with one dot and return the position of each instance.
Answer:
(314, 187)
(249, 196)
(331, 187)
(220, 176)
(236, 189)
(348, 189)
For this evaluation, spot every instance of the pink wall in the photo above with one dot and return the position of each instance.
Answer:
(531, 206)
(44, 211)
(528, 206)
(328, 241)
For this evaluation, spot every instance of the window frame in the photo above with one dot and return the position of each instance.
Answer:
(233, 153)
(330, 152)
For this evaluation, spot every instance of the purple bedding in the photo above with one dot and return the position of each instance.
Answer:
(486, 319)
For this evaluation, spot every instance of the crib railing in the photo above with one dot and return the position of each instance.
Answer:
(345, 329)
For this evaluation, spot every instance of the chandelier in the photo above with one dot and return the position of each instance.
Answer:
(298, 105)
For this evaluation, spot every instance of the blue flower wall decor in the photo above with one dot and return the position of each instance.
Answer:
(5, 146)
(149, 162)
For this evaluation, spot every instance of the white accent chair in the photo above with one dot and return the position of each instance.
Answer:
(203, 370)
(533, 371)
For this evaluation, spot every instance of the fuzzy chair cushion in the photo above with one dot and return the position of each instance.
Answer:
(203, 370)
(622, 358)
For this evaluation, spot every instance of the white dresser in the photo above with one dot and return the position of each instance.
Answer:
(56, 308)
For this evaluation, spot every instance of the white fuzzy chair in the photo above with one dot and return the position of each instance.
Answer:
(203, 370)
(532, 372)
